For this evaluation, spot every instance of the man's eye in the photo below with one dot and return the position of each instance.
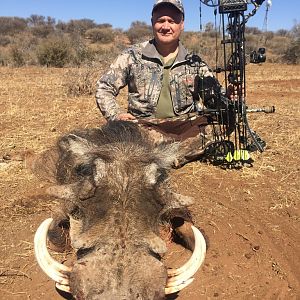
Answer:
(84, 170)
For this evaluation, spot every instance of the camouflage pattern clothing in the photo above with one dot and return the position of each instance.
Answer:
(141, 69)
(192, 87)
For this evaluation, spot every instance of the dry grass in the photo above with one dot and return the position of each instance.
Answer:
(229, 204)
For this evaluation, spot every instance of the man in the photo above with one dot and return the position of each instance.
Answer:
(165, 84)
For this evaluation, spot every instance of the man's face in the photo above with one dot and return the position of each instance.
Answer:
(167, 24)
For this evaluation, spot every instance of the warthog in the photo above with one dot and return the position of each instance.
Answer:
(115, 192)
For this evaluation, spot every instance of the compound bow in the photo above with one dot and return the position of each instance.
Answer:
(234, 137)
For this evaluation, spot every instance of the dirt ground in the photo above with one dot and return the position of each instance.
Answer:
(250, 217)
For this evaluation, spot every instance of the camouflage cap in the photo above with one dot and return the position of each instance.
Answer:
(177, 3)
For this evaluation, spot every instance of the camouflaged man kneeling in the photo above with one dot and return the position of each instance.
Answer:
(166, 85)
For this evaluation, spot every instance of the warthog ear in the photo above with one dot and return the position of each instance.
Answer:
(75, 144)
(166, 154)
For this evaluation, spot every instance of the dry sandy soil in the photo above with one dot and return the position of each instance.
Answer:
(249, 216)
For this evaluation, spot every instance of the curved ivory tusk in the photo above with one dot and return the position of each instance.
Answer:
(181, 275)
(55, 270)
(175, 289)
(62, 287)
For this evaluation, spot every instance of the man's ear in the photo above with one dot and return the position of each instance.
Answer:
(182, 25)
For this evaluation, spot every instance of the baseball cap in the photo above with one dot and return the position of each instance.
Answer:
(177, 3)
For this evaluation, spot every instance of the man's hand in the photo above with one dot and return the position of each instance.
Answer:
(125, 117)
(231, 93)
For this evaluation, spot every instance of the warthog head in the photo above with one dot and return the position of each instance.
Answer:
(113, 183)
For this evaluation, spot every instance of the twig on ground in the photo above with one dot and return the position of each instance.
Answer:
(13, 272)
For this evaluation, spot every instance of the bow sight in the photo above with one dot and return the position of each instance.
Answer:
(234, 139)
(227, 6)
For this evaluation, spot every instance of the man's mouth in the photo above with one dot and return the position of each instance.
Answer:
(165, 34)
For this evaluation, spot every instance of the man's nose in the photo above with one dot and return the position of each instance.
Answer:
(166, 25)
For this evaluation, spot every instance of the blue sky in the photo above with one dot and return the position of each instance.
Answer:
(120, 13)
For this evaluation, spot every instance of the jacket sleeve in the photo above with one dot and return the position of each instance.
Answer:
(109, 85)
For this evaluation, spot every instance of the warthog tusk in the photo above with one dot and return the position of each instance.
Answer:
(175, 289)
(62, 287)
(55, 270)
(180, 278)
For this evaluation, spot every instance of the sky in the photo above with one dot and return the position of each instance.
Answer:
(283, 14)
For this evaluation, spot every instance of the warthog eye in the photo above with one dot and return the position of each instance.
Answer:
(84, 251)
(76, 213)
(84, 170)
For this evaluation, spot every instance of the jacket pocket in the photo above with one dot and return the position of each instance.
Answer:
(183, 91)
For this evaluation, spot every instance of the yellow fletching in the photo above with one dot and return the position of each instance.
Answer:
(238, 155)
(229, 157)
(241, 155)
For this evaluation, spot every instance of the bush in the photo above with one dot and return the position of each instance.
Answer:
(17, 56)
(139, 31)
(102, 35)
(81, 81)
(42, 31)
(4, 40)
(268, 36)
(104, 55)
(12, 25)
(37, 20)
(191, 40)
(295, 31)
(292, 55)
(82, 54)
(80, 26)
(22, 49)
(54, 52)
(282, 32)
(279, 45)
(252, 30)
(3, 57)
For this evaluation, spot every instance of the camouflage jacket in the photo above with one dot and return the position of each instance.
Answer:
(141, 69)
